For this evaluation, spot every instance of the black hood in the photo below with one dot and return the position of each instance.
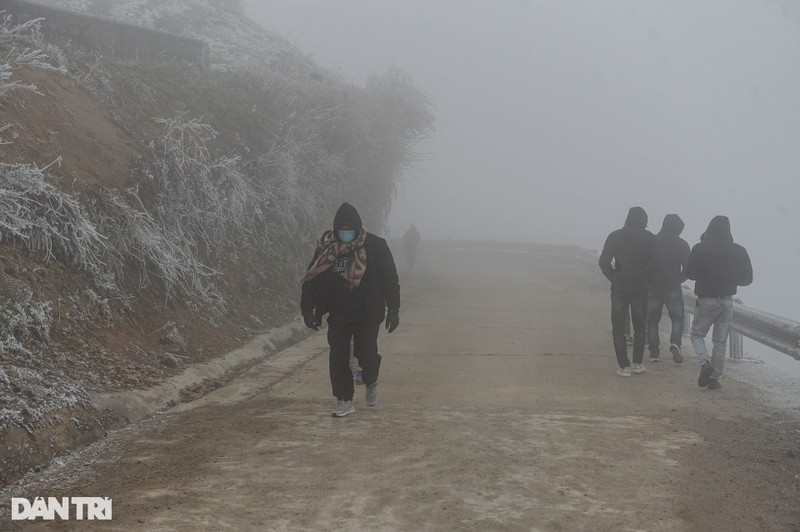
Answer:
(637, 218)
(672, 226)
(718, 227)
(347, 215)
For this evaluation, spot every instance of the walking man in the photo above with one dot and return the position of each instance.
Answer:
(353, 278)
(411, 240)
(630, 249)
(718, 266)
(667, 272)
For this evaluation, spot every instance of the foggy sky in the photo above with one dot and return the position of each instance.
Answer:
(554, 117)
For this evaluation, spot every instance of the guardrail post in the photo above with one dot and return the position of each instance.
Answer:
(736, 345)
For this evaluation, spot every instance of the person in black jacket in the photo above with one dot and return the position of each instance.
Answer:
(353, 278)
(666, 273)
(718, 266)
(630, 249)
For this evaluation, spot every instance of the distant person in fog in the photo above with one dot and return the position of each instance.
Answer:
(666, 273)
(624, 261)
(718, 266)
(352, 277)
(410, 242)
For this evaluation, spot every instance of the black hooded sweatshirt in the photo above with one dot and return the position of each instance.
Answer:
(717, 264)
(631, 250)
(670, 255)
(379, 287)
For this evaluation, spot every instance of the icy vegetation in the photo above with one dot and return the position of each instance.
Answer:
(36, 213)
(21, 45)
(224, 203)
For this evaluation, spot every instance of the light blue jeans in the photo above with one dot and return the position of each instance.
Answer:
(716, 311)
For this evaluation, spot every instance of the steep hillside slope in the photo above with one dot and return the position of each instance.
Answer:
(154, 216)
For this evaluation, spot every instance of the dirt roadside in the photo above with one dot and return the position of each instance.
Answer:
(499, 410)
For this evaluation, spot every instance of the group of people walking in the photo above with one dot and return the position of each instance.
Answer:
(353, 279)
(646, 272)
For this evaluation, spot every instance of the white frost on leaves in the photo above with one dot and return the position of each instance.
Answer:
(21, 45)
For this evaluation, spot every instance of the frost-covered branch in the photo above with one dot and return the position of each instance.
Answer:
(135, 235)
(204, 201)
(47, 220)
(21, 45)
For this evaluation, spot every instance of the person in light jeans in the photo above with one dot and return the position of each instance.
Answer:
(718, 266)
(716, 311)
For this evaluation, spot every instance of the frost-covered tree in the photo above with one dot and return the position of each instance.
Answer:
(21, 45)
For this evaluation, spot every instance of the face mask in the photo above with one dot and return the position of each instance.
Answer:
(346, 236)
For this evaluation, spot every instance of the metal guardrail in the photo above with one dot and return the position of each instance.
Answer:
(779, 333)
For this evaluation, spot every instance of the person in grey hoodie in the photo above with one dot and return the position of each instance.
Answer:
(665, 274)
(718, 266)
(624, 261)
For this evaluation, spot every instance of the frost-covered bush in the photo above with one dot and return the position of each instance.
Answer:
(47, 220)
(135, 236)
(21, 45)
(21, 323)
(28, 395)
(104, 238)
(296, 141)
(205, 202)
(90, 73)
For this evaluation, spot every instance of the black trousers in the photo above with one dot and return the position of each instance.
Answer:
(620, 303)
(364, 337)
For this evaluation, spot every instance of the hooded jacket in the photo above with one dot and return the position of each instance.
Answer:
(630, 249)
(411, 238)
(717, 264)
(379, 288)
(346, 214)
(670, 255)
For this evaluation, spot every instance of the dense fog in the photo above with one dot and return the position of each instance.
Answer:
(554, 117)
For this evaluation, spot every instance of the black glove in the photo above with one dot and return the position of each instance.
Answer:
(310, 320)
(392, 320)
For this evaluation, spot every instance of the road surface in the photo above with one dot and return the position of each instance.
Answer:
(499, 410)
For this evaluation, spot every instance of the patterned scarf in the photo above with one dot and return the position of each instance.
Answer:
(329, 249)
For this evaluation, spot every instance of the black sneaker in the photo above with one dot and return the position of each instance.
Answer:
(713, 384)
(705, 374)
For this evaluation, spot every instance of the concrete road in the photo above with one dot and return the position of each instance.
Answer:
(499, 410)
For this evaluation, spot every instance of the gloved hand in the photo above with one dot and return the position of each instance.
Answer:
(310, 320)
(392, 320)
